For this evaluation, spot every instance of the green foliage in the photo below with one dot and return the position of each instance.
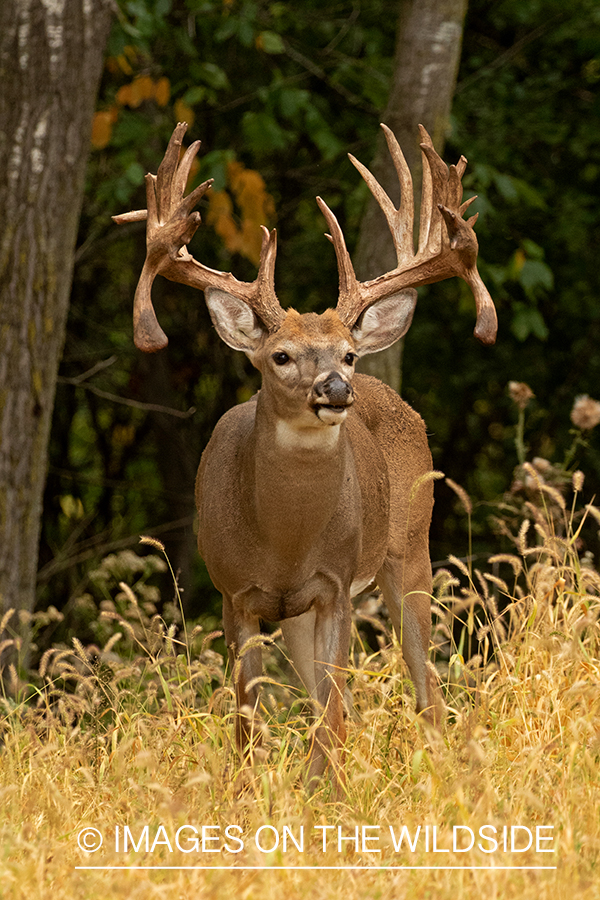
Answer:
(526, 115)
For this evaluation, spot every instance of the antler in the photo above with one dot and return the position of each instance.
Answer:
(447, 243)
(171, 226)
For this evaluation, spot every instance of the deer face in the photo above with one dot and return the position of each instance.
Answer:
(307, 367)
(307, 363)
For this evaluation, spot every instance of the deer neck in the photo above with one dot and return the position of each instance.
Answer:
(298, 479)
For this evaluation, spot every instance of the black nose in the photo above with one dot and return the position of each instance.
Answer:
(334, 389)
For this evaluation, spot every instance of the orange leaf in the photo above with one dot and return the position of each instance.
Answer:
(141, 88)
(256, 206)
(250, 242)
(144, 86)
(251, 194)
(112, 64)
(220, 217)
(162, 91)
(219, 203)
(184, 113)
(102, 127)
(124, 95)
(119, 65)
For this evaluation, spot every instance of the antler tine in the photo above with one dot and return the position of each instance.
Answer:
(167, 169)
(447, 243)
(349, 304)
(264, 299)
(171, 226)
(426, 196)
(182, 173)
(434, 194)
(400, 221)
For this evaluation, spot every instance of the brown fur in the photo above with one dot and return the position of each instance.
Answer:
(286, 529)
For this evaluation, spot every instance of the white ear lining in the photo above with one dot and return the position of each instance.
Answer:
(384, 322)
(236, 323)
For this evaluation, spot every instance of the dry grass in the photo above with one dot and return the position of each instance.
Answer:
(144, 738)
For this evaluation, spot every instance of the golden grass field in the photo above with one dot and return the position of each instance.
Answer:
(143, 737)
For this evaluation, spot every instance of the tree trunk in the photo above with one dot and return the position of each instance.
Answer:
(428, 46)
(50, 65)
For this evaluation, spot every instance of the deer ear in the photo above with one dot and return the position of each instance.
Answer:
(384, 322)
(235, 321)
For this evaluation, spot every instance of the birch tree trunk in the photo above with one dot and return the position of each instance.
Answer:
(51, 54)
(428, 44)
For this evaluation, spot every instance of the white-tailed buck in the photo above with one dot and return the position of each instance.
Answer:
(317, 487)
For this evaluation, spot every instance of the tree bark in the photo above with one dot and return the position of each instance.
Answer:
(51, 54)
(428, 44)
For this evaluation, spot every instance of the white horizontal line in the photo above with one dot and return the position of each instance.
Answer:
(319, 868)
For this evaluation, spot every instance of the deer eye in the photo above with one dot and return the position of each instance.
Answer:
(280, 358)
(349, 359)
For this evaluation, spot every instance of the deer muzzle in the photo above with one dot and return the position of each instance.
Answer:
(331, 397)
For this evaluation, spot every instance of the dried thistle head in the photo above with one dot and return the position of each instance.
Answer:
(585, 413)
(520, 393)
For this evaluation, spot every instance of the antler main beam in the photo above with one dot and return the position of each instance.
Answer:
(171, 226)
(447, 243)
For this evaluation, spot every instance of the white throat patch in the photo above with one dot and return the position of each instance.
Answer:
(302, 437)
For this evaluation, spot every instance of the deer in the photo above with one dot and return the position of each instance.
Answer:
(320, 485)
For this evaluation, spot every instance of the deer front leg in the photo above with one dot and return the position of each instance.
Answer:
(246, 666)
(299, 637)
(407, 593)
(324, 675)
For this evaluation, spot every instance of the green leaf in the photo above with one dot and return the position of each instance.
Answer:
(263, 133)
(292, 101)
(529, 194)
(214, 165)
(536, 274)
(532, 250)
(134, 173)
(211, 74)
(506, 187)
(322, 135)
(131, 129)
(526, 321)
(245, 33)
(194, 95)
(270, 42)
